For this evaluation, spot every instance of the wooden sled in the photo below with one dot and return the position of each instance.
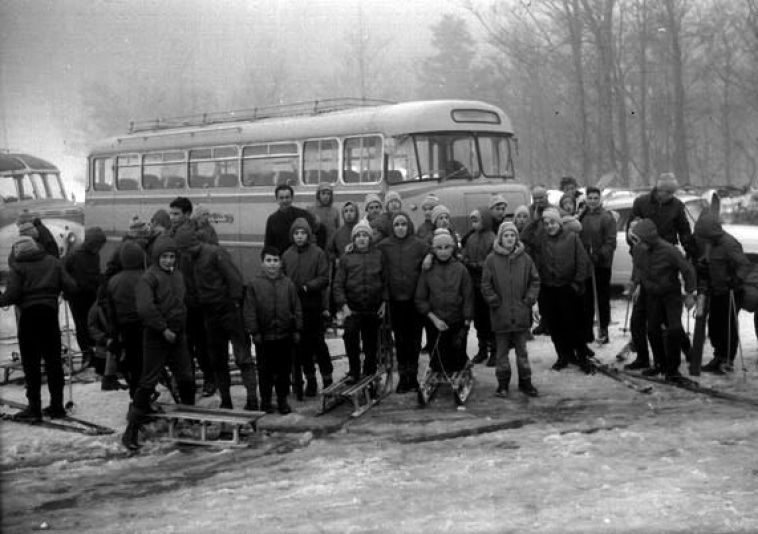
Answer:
(239, 420)
(461, 383)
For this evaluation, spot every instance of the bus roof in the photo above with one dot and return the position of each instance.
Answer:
(13, 164)
(392, 119)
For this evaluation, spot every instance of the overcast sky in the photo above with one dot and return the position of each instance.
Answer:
(51, 50)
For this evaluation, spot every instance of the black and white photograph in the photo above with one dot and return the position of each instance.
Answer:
(421, 266)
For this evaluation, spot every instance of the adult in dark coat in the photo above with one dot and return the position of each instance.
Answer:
(279, 223)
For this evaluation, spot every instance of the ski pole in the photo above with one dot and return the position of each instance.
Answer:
(733, 310)
(70, 354)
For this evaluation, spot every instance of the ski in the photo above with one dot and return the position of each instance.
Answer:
(67, 423)
(615, 374)
(688, 384)
(698, 339)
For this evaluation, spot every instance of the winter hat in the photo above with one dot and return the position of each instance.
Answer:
(186, 238)
(521, 209)
(495, 200)
(392, 195)
(163, 243)
(362, 226)
(23, 245)
(28, 229)
(552, 214)
(708, 226)
(94, 238)
(442, 237)
(431, 200)
(200, 212)
(646, 231)
(138, 227)
(667, 182)
(371, 198)
(324, 186)
(161, 218)
(539, 190)
(437, 211)
(300, 223)
(507, 226)
(25, 216)
(131, 255)
(566, 181)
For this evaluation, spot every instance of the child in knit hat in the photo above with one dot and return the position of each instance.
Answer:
(445, 295)
(427, 205)
(510, 285)
(360, 293)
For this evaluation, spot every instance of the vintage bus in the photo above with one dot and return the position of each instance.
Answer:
(33, 184)
(231, 162)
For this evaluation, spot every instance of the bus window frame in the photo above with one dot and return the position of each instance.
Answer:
(212, 148)
(298, 155)
(340, 164)
(184, 163)
(93, 174)
(509, 163)
(116, 166)
(380, 157)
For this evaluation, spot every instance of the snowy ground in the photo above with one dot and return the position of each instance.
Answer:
(588, 455)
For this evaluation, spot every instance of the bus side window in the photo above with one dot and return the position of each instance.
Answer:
(103, 174)
(363, 156)
(175, 182)
(320, 161)
(127, 184)
(151, 181)
(228, 180)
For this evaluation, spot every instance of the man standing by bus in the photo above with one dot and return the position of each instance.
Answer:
(279, 223)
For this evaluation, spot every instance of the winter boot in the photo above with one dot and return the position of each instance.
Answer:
(637, 364)
(503, 381)
(311, 388)
(266, 405)
(30, 414)
(561, 363)
(284, 407)
(602, 338)
(54, 411)
(250, 381)
(652, 371)
(186, 390)
(130, 439)
(327, 380)
(525, 386)
(111, 383)
(226, 400)
(714, 366)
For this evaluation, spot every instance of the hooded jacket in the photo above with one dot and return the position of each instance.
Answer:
(83, 264)
(307, 267)
(360, 281)
(656, 264)
(510, 285)
(402, 262)
(215, 278)
(272, 308)
(446, 290)
(327, 214)
(160, 294)
(122, 286)
(477, 246)
(561, 260)
(343, 235)
(720, 262)
(36, 278)
(599, 235)
(670, 219)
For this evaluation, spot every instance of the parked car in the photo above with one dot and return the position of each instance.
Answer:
(621, 207)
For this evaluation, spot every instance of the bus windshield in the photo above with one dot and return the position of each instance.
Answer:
(31, 186)
(447, 155)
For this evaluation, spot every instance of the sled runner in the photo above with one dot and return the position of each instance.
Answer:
(370, 389)
(238, 420)
(65, 424)
(461, 383)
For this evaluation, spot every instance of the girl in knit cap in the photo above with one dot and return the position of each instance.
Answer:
(324, 209)
(563, 267)
(360, 293)
(510, 285)
(427, 205)
(497, 206)
(403, 253)
(344, 234)
(521, 217)
(445, 295)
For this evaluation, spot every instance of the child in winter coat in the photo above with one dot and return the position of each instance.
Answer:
(273, 317)
(477, 247)
(126, 324)
(306, 265)
(360, 294)
(426, 228)
(160, 305)
(343, 236)
(445, 296)
(106, 348)
(510, 285)
(656, 266)
(35, 281)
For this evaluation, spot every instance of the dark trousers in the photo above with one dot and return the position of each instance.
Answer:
(156, 353)
(39, 339)
(638, 328)
(274, 361)
(603, 288)
(223, 324)
(305, 351)
(450, 354)
(722, 328)
(560, 310)
(665, 312)
(505, 341)
(482, 320)
(361, 328)
(80, 303)
(406, 328)
(131, 342)
(197, 342)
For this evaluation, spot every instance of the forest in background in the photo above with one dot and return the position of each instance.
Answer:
(610, 91)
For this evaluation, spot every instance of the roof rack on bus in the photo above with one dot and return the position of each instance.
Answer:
(314, 107)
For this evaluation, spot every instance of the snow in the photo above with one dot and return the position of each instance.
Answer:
(588, 455)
